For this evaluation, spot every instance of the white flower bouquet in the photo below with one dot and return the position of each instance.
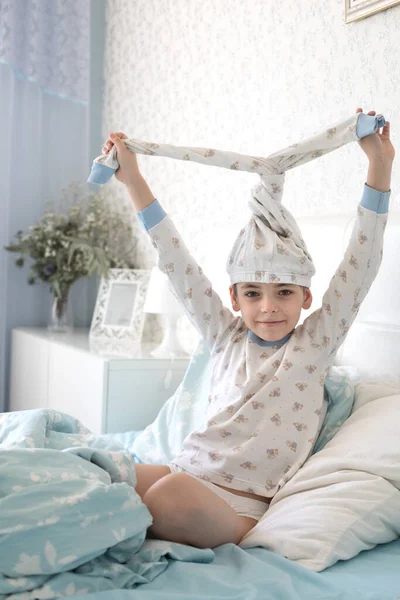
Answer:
(88, 236)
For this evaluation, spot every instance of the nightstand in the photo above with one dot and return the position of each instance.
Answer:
(107, 394)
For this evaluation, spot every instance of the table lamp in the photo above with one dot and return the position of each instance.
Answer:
(161, 301)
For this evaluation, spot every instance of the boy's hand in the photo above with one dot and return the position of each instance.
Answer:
(378, 146)
(128, 172)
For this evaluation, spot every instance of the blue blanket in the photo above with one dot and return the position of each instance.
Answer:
(71, 524)
(70, 519)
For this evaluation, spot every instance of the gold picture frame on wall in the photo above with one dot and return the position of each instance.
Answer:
(354, 10)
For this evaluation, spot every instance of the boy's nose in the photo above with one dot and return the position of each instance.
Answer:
(269, 306)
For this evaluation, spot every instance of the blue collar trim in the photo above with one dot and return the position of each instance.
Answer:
(254, 338)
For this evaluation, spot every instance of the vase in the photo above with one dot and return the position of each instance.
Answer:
(61, 314)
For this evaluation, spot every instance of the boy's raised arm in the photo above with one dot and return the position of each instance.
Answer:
(327, 327)
(201, 304)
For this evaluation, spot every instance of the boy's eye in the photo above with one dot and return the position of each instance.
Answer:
(280, 293)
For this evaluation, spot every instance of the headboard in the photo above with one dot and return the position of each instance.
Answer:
(373, 342)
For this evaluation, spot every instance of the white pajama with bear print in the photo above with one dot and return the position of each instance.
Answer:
(266, 403)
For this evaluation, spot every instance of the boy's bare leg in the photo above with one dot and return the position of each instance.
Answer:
(186, 511)
(147, 475)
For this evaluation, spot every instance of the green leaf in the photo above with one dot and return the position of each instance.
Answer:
(13, 248)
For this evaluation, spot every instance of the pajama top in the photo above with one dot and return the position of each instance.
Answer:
(266, 403)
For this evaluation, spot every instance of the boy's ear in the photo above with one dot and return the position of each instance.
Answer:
(307, 298)
(235, 303)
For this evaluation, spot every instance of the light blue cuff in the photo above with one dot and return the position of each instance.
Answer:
(150, 216)
(100, 173)
(367, 124)
(375, 200)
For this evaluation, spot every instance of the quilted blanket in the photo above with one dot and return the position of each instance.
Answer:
(70, 519)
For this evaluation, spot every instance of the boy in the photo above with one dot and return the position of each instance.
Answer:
(266, 404)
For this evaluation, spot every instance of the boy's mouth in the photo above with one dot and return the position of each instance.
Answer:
(270, 323)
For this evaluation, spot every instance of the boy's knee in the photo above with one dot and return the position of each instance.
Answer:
(170, 506)
(170, 498)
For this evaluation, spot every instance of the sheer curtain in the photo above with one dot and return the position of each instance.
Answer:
(45, 135)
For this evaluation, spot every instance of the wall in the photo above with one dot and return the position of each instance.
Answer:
(252, 76)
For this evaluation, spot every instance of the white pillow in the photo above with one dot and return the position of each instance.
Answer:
(346, 498)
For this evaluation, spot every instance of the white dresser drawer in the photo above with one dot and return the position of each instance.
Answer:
(107, 394)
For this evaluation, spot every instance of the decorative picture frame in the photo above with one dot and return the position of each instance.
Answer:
(354, 10)
(118, 317)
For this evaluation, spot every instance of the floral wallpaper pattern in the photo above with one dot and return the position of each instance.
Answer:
(250, 76)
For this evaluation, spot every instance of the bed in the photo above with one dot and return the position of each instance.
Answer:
(106, 557)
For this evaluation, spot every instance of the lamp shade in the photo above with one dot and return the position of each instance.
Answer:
(160, 298)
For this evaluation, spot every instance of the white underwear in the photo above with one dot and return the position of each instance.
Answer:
(244, 507)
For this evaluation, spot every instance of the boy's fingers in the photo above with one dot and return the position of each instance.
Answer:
(386, 130)
(118, 134)
(115, 138)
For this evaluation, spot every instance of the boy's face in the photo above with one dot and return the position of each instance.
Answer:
(270, 310)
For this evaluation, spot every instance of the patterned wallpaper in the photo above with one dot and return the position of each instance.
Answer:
(252, 76)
